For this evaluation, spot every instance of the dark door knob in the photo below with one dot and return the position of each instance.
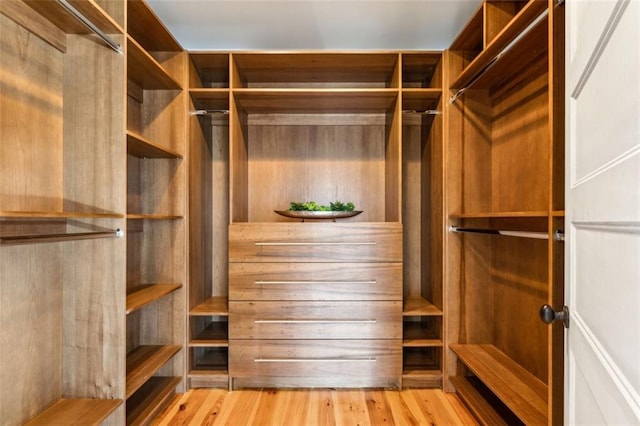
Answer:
(549, 315)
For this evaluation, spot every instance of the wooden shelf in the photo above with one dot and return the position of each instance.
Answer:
(491, 215)
(477, 403)
(208, 379)
(420, 99)
(210, 98)
(141, 216)
(421, 343)
(83, 411)
(144, 361)
(362, 101)
(422, 378)
(420, 307)
(214, 335)
(527, 15)
(57, 215)
(470, 38)
(145, 71)
(150, 399)
(308, 68)
(212, 306)
(144, 26)
(139, 146)
(55, 13)
(146, 294)
(416, 335)
(519, 390)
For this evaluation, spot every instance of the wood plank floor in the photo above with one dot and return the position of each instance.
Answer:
(315, 407)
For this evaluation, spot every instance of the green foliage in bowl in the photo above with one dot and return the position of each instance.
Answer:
(312, 206)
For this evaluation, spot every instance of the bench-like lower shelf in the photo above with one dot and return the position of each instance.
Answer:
(150, 399)
(84, 411)
(144, 361)
(523, 393)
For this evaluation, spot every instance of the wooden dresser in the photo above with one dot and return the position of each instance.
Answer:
(315, 304)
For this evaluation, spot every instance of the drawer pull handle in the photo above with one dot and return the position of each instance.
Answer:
(314, 321)
(315, 360)
(311, 243)
(370, 282)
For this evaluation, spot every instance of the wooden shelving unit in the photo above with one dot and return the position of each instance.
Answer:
(145, 71)
(156, 214)
(61, 183)
(422, 140)
(208, 219)
(505, 151)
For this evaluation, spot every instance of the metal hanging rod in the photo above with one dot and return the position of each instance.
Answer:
(51, 238)
(558, 235)
(90, 25)
(425, 112)
(499, 56)
(210, 111)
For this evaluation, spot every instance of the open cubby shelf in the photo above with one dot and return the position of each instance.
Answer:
(212, 306)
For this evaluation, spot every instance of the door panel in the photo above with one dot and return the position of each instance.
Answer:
(603, 212)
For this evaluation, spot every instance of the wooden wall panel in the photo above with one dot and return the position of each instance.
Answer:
(31, 301)
(200, 208)
(475, 137)
(321, 163)
(520, 129)
(94, 148)
(412, 213)
(93, 318)
(30, 155)
(520, 279)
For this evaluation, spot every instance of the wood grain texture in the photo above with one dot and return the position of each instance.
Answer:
(315, 281)
(76, 412)
(315, 320)
(339, 363)
(315, 407)
(309, 68)
(31, 20)
(145, 26)
(94, 160)
(31, 358)
(518, 389)
(321, 242)
(30, 93)
(323, 163)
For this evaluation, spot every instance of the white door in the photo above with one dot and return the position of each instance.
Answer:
(602, 359)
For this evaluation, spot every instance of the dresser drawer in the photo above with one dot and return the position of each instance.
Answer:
(315, 358)
(315, 281)
(315, 320)
(315, 242)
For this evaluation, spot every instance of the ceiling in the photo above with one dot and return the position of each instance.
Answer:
(314, 24)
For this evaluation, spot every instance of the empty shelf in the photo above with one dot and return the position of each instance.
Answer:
(85, 411)
(150, 399)
(523, 393)
(144, 361)
(146, 294)
(211, 306)
(418, 306)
